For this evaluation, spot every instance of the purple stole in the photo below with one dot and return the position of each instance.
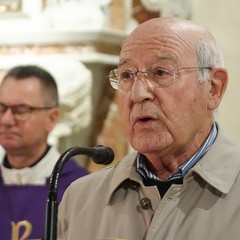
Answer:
(22, 208)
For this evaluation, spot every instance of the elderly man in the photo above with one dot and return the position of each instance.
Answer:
(182, 182)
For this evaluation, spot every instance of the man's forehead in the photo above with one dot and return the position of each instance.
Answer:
(168, 28)
(158, 47)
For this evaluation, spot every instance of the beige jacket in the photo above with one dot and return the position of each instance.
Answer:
(107, 204)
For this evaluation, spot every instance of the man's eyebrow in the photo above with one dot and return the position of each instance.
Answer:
(166, 57)
(123, 62)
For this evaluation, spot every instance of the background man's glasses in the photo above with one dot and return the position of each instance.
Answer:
(157, 77)
(20, 112)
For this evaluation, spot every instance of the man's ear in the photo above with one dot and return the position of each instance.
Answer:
(218, 86)
(53, 117)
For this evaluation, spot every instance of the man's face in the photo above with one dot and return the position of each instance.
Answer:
(19, 135)
(169, 120)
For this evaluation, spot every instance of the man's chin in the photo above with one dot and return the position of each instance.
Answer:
(8, 145)
(148, 144)
(144, 146)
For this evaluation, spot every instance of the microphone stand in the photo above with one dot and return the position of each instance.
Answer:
(52, 204)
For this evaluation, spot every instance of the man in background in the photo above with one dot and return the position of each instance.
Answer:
(28, 113)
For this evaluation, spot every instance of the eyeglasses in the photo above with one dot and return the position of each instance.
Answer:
(158, 77)
(20, 112)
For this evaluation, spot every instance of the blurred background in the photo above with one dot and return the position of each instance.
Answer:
(78, 41)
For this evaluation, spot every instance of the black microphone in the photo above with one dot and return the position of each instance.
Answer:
(100, 155)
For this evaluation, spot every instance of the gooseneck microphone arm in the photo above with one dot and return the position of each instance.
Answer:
(100, 155)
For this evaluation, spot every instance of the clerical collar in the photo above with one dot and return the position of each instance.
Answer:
(185, 167)
(6, 163)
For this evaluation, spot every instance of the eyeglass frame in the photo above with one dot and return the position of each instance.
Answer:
(114, 80)
(15, 112)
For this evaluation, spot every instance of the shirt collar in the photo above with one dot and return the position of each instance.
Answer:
(185, 167)
(6, 163)
(36, 175)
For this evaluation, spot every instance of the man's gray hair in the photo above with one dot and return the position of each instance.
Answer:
(209, 55)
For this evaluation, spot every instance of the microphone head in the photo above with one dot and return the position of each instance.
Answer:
(103, 155)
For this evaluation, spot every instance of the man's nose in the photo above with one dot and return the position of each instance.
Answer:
(7, 116)
(141, 89)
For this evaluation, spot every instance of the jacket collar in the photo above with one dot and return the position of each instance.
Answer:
(125, 170)
(213, 167)
(220, 166)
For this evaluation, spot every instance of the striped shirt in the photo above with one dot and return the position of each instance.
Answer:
(185, 167)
